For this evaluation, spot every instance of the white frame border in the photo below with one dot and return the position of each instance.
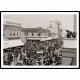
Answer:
(2, 13)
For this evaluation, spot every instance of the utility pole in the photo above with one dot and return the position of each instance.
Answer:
(58, 25)
(75, 22)
(50, 27)
(50, 24)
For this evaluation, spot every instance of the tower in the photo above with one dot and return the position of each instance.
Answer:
(75, 22)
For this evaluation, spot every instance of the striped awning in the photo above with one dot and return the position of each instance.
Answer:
(12, 43)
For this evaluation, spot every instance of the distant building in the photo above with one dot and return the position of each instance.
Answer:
(54, 32)
(33, 34)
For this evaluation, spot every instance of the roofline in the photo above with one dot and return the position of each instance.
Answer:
(12, 25)
(25, 29)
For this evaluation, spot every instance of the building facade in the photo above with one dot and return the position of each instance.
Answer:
(54, 32)
(12, 30)
(12, 35)
(34, 34)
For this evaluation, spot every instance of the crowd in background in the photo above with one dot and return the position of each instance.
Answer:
(34, 53)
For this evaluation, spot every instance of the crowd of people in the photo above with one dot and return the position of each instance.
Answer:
(34, 53)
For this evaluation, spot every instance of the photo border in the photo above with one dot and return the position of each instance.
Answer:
(39, 67)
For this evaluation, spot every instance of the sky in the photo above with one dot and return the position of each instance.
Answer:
(41, 20)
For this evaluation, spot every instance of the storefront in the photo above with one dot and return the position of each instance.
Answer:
(32, 39)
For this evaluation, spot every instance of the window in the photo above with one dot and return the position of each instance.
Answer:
(14, 33)
(17, 33)
(10, 32)
(27, 33)
(39, 34)
(32, 34)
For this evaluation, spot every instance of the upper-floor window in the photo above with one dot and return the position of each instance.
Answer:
(32, 34)
(14, 33)
(49, 34)
(27, 33)
(10, 32)
(39, 34)
(17, 33)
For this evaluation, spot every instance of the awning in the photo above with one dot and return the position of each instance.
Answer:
(33, 38)
(42, 39)
(45, 39)
(54, 37)
(6, 44)
(49, 38)
(12, 43)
